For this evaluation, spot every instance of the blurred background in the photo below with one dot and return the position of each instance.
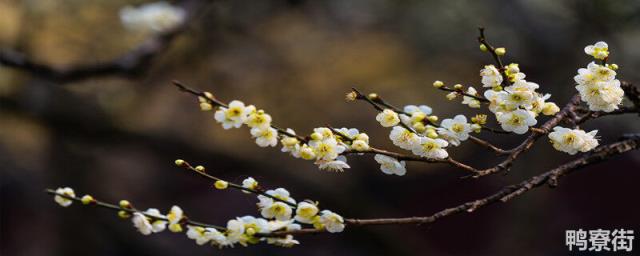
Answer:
(116, 137)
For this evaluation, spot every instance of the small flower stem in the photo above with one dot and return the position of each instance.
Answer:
(219, 103)
(189, 167)
(130, 210)
(482, 39)
(480, 98)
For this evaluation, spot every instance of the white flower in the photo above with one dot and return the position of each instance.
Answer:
(290, 144)
(390, 165)
(157, 225)
(203, 235)
(602, 96)
(599, 50)
(517, 121)
(142, 223)
(350, 133)
(360, 145)
(472, 102)
(327, 148)
(336, 165)
(573, 141)
(496, 100)
(520, 94)
(265, 136)
(305, 212)
(288, 241)
(64, 202)
(388, 118)
(278, 210)
(258, 119)
(159, 16)
(491, 76)
(599, 88)
(331, 221)
(279, 193)
(404, 138)
(304, 151)
(249, 183)
(253, 225)
(174, 216)
(233, 116)
(431, 148)
(235, 230)
(411, 109)
(455, 130)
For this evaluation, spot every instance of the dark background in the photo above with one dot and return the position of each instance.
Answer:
(117, 138)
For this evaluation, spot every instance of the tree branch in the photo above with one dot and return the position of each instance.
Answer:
(131, 64)
(631, 142)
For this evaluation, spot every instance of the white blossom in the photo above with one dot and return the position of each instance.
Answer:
(573, 141)
(517, 121)
(265, 136)
(431, 148)
(455, 130)
(404, 138)
(249, 183)
(233, 116)
(327, 148)
(142, 223)
(599, 50)
(258, 119)
(390, 165)
(305, 212)
(331, 221)
(278, 210)
(491, 76)
(411, 109)
(470, 101)
(288, 241)
(388, 118)
(62, 201)
(158, 16)
(174, 216)
(336, 165)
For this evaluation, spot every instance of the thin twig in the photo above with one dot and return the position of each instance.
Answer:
(132, 210)
(257, 191)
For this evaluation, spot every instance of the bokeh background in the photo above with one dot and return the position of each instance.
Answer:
(116, 138)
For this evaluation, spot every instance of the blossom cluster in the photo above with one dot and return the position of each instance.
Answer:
(325, 146)
(278, 210)
(573, 141)
(157, 17)
(518, 104)
(597, 84)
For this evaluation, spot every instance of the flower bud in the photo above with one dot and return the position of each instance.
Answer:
(200, 168)
(351, 96)
(87, 199)
(316, 136)
(205, 106)
(550, 108)
(458, 87)
(221, 184)
(476, 128)
(179, 162)
(432, 134)
(501, 51)
(452, 95)
(433, 118)
(438, 84)
(483, 48)
(123, 214)
(125, 204)
(373, 96)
